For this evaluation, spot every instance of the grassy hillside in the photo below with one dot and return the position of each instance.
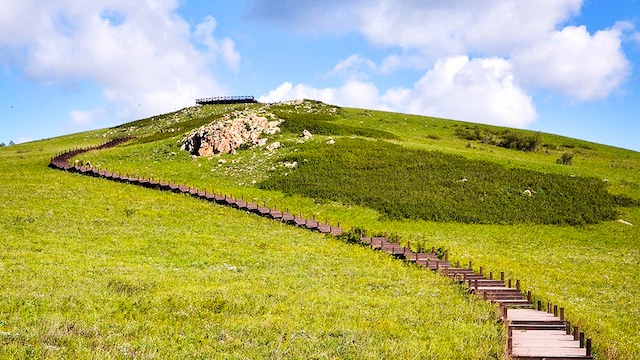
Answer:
(94, 269)
(433, 182)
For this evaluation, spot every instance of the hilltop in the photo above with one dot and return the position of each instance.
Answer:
(545, 208)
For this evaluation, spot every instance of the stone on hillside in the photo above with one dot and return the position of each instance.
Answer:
(227, 135)
(625, 222)
(306, 135)
(273, 146)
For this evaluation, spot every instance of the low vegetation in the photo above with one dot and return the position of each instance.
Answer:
(118, 271)
(508, 139)
(430, 185)
(94, 269)
(320, 120)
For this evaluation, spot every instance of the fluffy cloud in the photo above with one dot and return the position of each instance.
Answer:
(529, 34)
(353, 93)
(355, 67)
(440, 28)
(480, 90)
(575, 63)
(446, 28)
(140, 54)
(82, 118)
(359, 67)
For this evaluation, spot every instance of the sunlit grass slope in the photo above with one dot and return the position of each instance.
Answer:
(94, 269)
(591, 269)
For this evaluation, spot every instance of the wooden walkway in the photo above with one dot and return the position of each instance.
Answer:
(533, 332)
(226, 100)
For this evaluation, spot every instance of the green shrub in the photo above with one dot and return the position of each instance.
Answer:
(511, 140)
(506, 139)
(565, 159)
(352, 236)
(469, 133)
(322, 124)
(404, 183)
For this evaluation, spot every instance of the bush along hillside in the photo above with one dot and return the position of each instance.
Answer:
(431, 185)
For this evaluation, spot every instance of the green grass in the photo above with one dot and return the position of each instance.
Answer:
(430, 185)
(319, 119)
(591, 270)
(95, 269)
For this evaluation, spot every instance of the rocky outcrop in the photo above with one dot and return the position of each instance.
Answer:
(236, 130)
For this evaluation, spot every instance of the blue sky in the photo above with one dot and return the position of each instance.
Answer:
(568, 67)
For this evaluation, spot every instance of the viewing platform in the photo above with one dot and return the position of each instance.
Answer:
(226, 100)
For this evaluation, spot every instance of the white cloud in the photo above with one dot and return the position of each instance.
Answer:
(354, 67)
(454, 27)
(531, 34)
(83, 118)
(407, 60)
(575, 63)
(479, 90)
(439, 28)
(358, 67)
(139, 53)
(22, 140)
(353, 93)
(224, 47)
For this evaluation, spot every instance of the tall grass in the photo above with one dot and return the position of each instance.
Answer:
(590, 269)
(95, 269)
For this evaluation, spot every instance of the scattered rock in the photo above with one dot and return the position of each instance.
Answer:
(528, 193)
(330, 141)
(306, 135)
(624, 222)
(290, 165)
(273, 146)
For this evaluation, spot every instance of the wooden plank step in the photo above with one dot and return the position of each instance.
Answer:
(530, 315)
(252, 207)
(500, 296)
(495, 289)
(551, 358)
(311, 224)
(286, 217)
(324, 228)
(538, 326)
(421, 256)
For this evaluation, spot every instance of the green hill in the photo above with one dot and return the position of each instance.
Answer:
(92, 267)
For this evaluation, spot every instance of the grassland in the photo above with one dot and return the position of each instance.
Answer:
(592, 269)
(94, 269)
(412, 184)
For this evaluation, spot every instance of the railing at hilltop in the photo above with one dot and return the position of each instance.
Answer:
(226, 100)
